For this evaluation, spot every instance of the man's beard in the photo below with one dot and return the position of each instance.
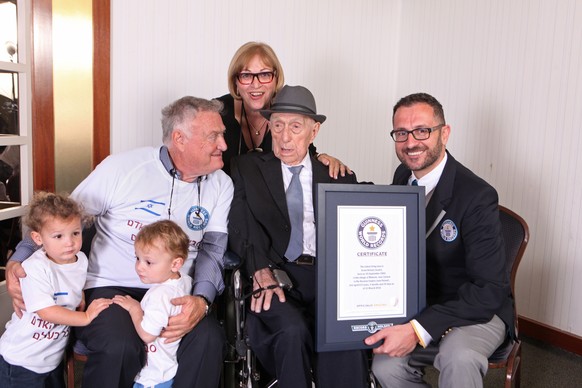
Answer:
(432, 156)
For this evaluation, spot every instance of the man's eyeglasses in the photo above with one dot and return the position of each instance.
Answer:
(401, 135)
(247, 78)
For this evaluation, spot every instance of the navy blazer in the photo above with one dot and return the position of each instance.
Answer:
(467, 281)
(259, 228)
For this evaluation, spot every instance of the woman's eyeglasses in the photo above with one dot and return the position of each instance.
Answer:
(247, 78)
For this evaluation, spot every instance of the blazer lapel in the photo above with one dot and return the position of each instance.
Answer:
(441, 197)
(271, 171)
(401, 176)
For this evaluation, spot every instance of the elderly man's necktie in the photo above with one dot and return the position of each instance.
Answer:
(294, 196)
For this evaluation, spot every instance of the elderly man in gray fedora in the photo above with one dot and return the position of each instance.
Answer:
(272, 226)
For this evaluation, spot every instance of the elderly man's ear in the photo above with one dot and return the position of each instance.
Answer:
(315, 130)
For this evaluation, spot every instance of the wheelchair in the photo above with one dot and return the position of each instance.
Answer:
(241, 368)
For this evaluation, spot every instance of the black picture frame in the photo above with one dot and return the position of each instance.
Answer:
(333, 334)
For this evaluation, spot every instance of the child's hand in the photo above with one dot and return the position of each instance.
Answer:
(96, 307)
(127, 302)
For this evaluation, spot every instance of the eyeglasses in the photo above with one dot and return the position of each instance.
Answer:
(401, 135)
(247, 78)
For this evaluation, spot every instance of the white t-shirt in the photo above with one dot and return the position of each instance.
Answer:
(161, 364)
(132, 189)
(30, 341)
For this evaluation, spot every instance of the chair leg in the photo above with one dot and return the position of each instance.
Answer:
(70, 367)
(513, 370)
(70, 357)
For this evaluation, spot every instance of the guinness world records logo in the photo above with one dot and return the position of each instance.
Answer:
(371, 327)
(372, 232)
(449, 231)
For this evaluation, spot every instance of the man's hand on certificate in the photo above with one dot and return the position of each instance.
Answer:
(399, 340)
(261, 300)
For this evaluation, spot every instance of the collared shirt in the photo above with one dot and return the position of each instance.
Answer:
(306, 179)
(429, 181)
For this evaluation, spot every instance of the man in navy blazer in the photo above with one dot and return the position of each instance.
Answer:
(280, 323)
(469, 309)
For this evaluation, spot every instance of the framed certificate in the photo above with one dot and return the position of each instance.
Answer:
(370, 261)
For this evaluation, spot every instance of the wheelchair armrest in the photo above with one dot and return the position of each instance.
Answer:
(231, 260)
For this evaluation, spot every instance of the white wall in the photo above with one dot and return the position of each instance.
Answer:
(342, 53)
(509, 74)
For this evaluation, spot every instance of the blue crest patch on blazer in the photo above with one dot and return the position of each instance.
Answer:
(449, 231)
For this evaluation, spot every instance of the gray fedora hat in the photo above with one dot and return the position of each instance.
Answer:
(294, 99)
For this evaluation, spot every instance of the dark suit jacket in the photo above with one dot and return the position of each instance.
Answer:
(259, 227)
(467, 279)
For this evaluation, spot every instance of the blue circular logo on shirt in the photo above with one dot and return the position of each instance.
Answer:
(197, 218)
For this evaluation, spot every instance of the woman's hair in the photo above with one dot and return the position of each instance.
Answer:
(242, 57)
(167, 234)
(45, 206)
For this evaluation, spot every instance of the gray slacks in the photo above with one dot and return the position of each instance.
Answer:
(461, 361)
